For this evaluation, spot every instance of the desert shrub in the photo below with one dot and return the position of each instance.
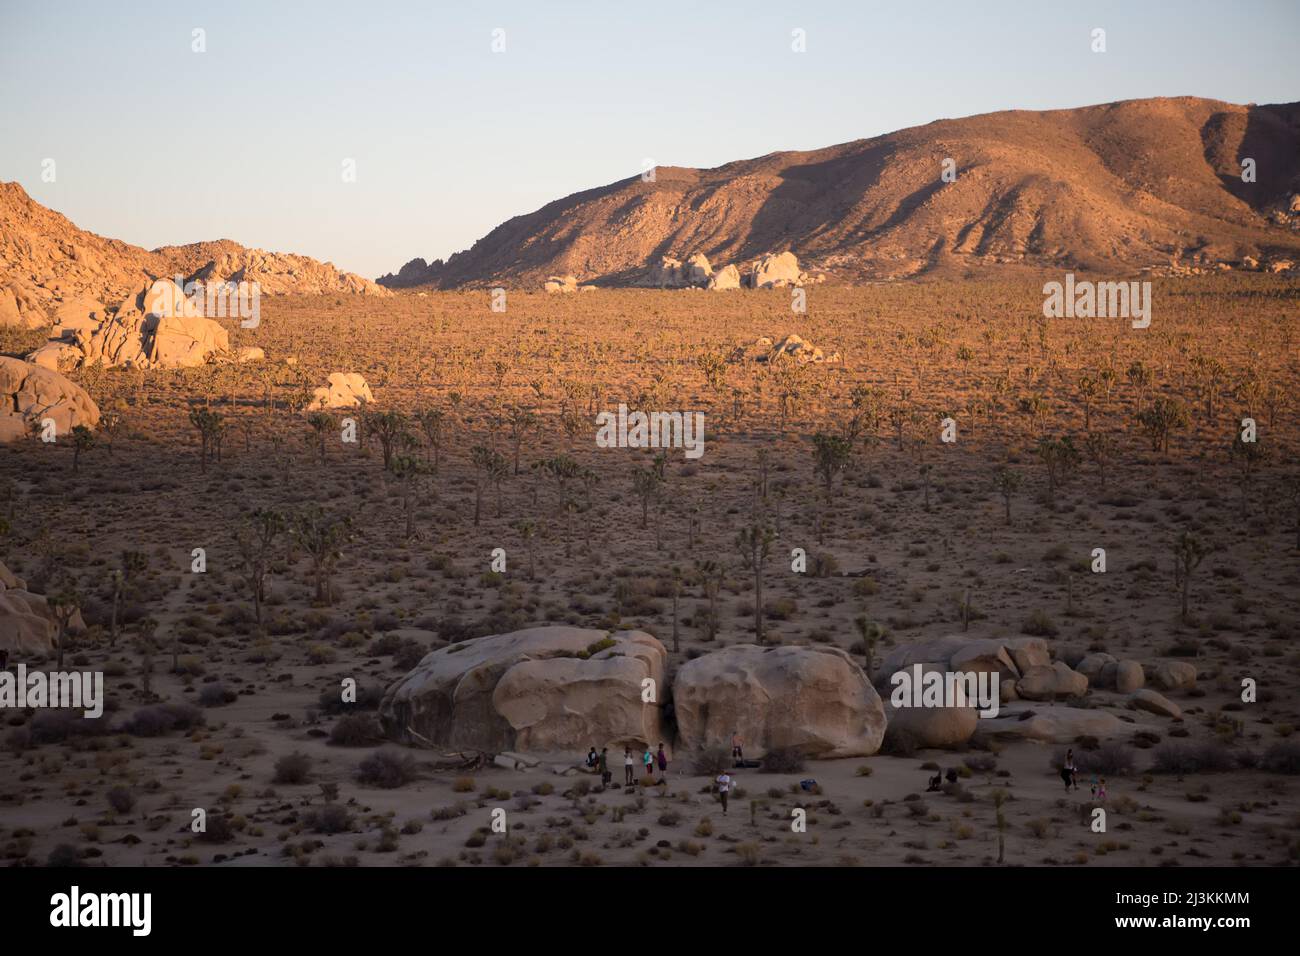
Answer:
(331, 818)
(56, 726)
(981, 763)
(712, 761)
(1282, 757)
(292, 768)
(63, 856)
(1191, 757)
(898, 743)
(121, 799)
(1108, 759)
(159, 719)
(331, 701)
(215, 695)
(354, 730)
(217, 829)
(782, 760)
(1039, 624)
(387, 769)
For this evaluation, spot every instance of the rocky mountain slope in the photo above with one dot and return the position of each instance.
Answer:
(46, 260)
(1115, 187)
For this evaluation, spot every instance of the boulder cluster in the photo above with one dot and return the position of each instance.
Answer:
(769, 271)
(28, 627)
(554, 689)
(790, 348)
(30, 394)
(156, 327)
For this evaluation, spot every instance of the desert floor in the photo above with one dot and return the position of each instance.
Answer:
(911, 526)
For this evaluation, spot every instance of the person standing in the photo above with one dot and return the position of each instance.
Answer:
(737, 748)
(663, 763)
(629, 777)
(1101, 790)
(724, 789)
(648, 759)
(1072, 768)
(602, 764)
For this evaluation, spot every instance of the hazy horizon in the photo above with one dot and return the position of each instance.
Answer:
(246, 140)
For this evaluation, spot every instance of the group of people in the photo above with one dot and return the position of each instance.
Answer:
(1070, 776)
(600, 763)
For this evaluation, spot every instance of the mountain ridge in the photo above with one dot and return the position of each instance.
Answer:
(1116, 186)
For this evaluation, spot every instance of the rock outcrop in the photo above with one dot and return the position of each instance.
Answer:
(29, 394)
(344, 390)
(540, 689)
(813, 699)
(28, 627)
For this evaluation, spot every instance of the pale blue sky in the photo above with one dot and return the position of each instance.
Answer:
(156, 144)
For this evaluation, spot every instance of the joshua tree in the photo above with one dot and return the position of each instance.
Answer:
(64, 602)
(870, 632)
(754, 542)
(1246, 455)
(1140, 378)
(145, 644)
(521, 422)
(1099, 449)
(133, 564)
(1060, 457)
(1007, 482)
(1088, 388)
(321, 534)
(83, 439)
(322, 423)
(390, 428)
(1293, 494)
(431, 421)
(527, 530)
(490, 468)
(208, 425)
(408, 470)
(676, 573)
(648, 485)
(1189, 552)
(255, 539)
(112, 424)
(710, 575)
(1164, 415)
(999, 798)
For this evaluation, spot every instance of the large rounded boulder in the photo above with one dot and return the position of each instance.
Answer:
(544, 689)
(812, 699)
(30, 394)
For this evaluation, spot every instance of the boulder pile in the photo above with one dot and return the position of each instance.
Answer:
(30, 394)
(28, 627)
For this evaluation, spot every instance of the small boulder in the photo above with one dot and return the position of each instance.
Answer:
(1154, 703)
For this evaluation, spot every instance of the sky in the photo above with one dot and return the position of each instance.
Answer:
(156, 143)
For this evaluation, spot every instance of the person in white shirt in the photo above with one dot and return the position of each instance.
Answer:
(629, 775)
(724, 789)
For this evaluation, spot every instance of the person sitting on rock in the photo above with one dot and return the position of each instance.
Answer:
(935, 782)
(951, 775)
(591, 757)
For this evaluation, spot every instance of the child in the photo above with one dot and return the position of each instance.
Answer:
(649, 760)
(1101, 790)
(1094, 788)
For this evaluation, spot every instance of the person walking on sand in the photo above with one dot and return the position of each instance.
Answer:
(663, 762)
(737, 748)
(648, 759)
(724, 789)
(629, 777)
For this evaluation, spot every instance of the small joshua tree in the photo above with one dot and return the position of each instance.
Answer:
(322, 423)
(870, 632)
(83, 439)
(1099, 448)
(754, 542)
(1007, 483)
(526, 528)
(389, 428)
(431, 422)
(321, 534)
(1189, 552)
(1164, 415)
(255, 539)
(1060, 457)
